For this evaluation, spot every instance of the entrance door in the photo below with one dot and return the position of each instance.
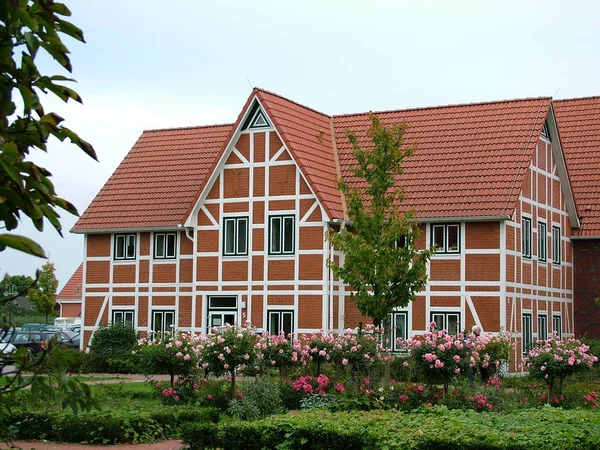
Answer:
(222, 310)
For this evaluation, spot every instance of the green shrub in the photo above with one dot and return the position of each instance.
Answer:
(111, 348)
(429, 428)
(266, 395)
(65, 358)
(110, 427)
(290, 398)
(243, 409)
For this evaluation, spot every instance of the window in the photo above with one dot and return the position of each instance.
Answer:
(256, 118)
(546, 131)
(221, 310)
(446, 238)
(557, 325)
(123, 316)
(449, 321)
(163, 321)
(556, 241)
(542, 241)
(396, 327)
(165, 245)
(526, 237)
(281, 235)
(235, 236)
(278, 321)
(125, 246)
(542, 327)
(527, 339)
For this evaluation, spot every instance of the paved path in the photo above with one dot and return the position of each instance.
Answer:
(171, 444)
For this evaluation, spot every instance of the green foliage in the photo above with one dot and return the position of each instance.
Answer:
(65, 358)
(316, 401)
(108, 427)
(17, 284)
(381, 263)
(174, 353)
(29, 28)
(111, 348)
(434, 428)
(243, 409)
(43, 293)
(260, 397)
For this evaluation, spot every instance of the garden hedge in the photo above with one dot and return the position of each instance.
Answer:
(109, 427)
(437, 428)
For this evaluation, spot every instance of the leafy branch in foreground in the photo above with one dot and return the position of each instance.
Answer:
(26, 27)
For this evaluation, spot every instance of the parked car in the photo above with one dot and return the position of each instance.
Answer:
(35, 340)
(6, 358)
(40, 326)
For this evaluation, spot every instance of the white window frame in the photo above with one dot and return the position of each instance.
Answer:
(279, 314)
(164, 313)
(444, 248)
(526, 237)
(391, 329)
(542, 241)
(526, 332)
(125, 242)
(161, 251)
(542, 326)
(286, 244)
(237, 251)
(556, 245)
(557, 325)
(123, 313)
(445, 315)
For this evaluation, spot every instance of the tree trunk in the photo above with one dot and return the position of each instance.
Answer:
(232, 384)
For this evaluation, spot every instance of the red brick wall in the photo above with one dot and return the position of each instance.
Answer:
(587, 287)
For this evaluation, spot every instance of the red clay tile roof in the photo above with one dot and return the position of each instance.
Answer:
(161, 178)
(72, 290)
(579, 128)
(470, 161)
(307, 133)
(157, 181)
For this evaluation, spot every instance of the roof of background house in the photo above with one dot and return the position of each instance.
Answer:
(471, 161)
(578, 122)
(72, 289)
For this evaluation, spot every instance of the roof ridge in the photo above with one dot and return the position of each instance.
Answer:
(293, 101)
(190, 127)
(589, 97)
(453, 105)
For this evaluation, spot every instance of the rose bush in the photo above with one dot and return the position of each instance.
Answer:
(553, 360)
(174, 353)
(440, 356)
(228, 350)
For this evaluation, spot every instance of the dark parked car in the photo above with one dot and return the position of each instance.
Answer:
(40, 327)
(35, 340)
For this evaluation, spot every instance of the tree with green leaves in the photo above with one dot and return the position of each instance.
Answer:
(14, 284)
(43, 293)
(380, 261)
(27, 29)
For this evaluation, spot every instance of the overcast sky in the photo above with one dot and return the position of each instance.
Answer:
(155, 64)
